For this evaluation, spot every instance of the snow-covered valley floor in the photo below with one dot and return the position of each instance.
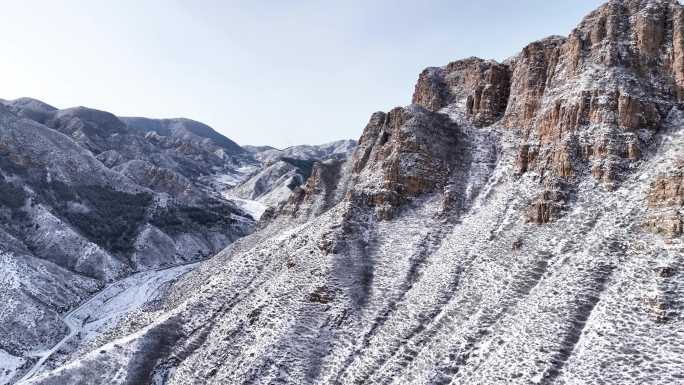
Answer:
(254, 208)
(107, 307)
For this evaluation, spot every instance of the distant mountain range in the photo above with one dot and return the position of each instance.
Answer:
(88, 198)
(520, 222)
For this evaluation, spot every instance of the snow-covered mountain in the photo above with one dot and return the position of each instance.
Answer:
(88, 198)
(518, 223)
(284, 172)
(339, 149)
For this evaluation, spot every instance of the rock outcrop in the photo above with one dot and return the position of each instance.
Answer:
(665, 202)
(399, 158)
(323, 189)
(497, 231)
(481, 86)
(586, 103)
(548, 206)
(595, 98)
(299, 181)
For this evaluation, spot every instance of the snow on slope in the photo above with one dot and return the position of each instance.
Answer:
(487, 298)
(111, 304)
(9, 365)
(102, 311)
(339, 148)
(253, 208)
(434, 271)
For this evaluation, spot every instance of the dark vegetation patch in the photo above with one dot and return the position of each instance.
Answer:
(12, 214)
(109, 218)
(180, 219)
(9, 167)
(11, 196)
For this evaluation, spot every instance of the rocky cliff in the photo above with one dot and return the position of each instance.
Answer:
(520, 222)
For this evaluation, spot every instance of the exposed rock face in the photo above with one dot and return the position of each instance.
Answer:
(533, 68)
(665, 201)
(322, 190)
(482, 86)
(548, 206)
(591, 100)
(585, 104)
(596, 97)
(668, 190)
(298, 181)
(460, 252)
(399, 159)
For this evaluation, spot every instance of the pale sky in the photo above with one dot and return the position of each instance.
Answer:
(260, 72)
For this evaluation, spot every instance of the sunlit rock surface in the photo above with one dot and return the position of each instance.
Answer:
(517, 225)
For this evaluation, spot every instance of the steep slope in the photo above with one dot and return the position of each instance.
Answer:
(281, 179)
(284, 172)
(102, 213)
(520, 223)
(272, 184)
(69, 224)
(339, 148)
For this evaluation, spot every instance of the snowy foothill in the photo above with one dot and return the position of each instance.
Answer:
(100, 313)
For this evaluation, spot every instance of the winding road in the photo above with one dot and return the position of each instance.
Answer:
(108, 306)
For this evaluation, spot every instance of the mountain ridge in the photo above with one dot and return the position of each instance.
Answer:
(520, 222)
(88, 200)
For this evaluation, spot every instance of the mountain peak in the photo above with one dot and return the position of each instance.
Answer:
(183, 128)
(519, 222)
(31, 103)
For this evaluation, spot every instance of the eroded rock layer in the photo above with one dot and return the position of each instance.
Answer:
(520, 223)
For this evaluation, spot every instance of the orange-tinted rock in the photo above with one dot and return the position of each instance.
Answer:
(563, 164)
(621, 70)
(678, 51)
(634, 113)
(401, 155)
(431, 91)
(532, 70)
(667, 191)
(665, 200)
(482, 86)
(650, 35)
(548, 206)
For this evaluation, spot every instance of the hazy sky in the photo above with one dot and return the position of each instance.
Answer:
(260, 72)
